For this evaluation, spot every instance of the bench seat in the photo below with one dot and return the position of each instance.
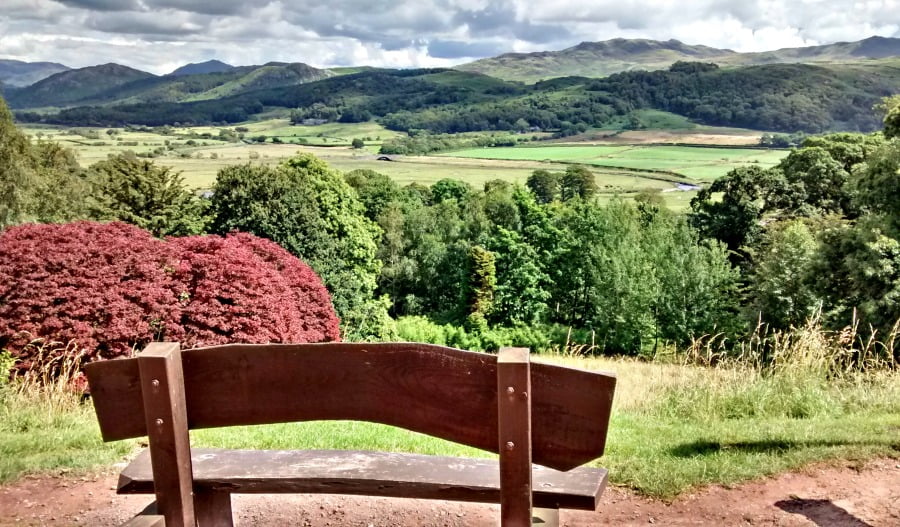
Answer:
(382, 474)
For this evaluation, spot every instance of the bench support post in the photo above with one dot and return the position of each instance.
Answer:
(162, 386)
(514, 428)
(213, 508)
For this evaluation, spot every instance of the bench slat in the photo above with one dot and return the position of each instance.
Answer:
(438, 391)
(369, 473)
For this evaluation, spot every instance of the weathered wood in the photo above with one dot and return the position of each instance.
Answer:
(145, 520)
(514, 436)
(382, 474)
(162, 388)
(213, 508)
(442, 392)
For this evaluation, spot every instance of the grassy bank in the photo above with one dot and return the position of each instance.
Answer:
(676, 425)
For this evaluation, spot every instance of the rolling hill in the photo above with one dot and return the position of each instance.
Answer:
(112, 84)
(198, 68)
(772, 97)
(19, 74)
(600, 59)
(72, 86)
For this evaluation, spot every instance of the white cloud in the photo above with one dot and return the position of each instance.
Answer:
(155, 34)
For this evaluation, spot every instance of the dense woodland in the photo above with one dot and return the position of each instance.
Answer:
(816, 235)
(776, 97)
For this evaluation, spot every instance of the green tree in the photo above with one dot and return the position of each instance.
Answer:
(38, 182)
(357, 143)
(857, 271)
(446, 189)
(578, 181)
(376, 191)
(816, 183)
(521, 295)
(696, 291)
(747, 193)
(17, 175)
(878, 184)
(781, 280)
(137, 191)
(892, 123)
(61, 190)
(544, 185)
(482, 287)
(309, 209)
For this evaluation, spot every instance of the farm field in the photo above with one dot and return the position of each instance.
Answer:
(621, 169)
(699, 163)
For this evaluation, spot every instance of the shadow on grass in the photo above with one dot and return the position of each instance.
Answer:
(771, 446)
(823, 513)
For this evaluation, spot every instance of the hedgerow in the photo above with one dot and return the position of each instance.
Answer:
(112, 288)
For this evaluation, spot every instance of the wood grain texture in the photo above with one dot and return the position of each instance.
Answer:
(442, 392)
(162, 387)
(383, 474)
(213, 509)
(514, 436)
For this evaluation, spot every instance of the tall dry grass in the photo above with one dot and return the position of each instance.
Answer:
(53, 380)
(799, 373)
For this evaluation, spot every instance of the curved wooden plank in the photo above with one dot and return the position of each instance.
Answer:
(383, 474)
(439, 391)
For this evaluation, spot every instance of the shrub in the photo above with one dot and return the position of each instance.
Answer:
(107, 289)
(232, 283)
(104, 286)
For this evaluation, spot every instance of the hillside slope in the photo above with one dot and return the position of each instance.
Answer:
(600, 59)
(774, 97)
(199, 68)
(72, 86)
(19, 74)
(112, 84)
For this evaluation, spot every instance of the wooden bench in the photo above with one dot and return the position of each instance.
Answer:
(527, 413)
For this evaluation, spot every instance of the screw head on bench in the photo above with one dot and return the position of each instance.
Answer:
(510, 390)
(510, 445)
(159, 422)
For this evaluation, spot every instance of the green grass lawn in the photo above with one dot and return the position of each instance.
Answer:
(674, 427)
(698, 163)
(621, 170)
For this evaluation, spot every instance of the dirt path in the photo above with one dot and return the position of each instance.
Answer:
(843, 495)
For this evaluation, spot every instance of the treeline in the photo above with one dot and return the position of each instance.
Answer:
(819, 234)
(778, 97)
(781, 97)
(815, 236)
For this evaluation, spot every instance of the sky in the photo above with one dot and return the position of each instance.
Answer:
(161, 35)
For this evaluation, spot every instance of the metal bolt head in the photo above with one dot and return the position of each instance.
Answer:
(510, 445)
(510, 390)
(159, 422)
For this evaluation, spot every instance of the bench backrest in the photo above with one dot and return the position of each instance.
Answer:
(560, 415)
(438, 391)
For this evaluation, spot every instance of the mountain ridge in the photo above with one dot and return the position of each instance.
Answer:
(603, 58)
(110, 84)
(199, 68)
(18, 74)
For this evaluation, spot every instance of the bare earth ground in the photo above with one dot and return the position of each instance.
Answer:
(823, 495)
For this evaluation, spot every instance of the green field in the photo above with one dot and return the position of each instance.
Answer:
(621, 169)
(699, 163)
(674, 427)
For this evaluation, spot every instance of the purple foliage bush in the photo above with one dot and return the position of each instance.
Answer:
(112, 288)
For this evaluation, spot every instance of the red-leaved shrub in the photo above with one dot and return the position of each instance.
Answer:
(106, 287)
(112, 288)
(229, 287)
